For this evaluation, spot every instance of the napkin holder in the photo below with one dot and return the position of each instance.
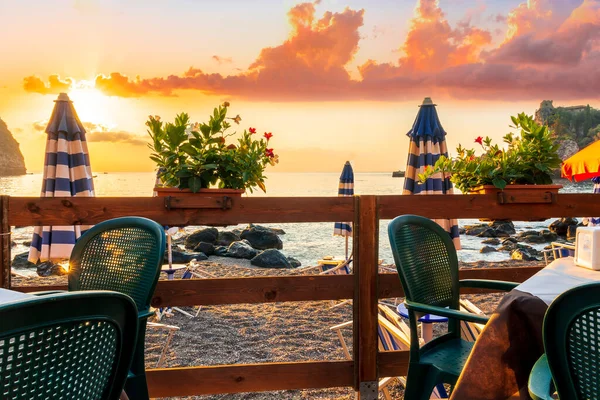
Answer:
(587, 247)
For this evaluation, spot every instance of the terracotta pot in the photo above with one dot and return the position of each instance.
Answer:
(169, 191)
(520, 193)
(491, 189)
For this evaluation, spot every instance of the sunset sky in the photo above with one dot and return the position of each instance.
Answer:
(332, 79)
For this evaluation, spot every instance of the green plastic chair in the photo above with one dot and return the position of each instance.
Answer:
(66, 346)
(427, 265)
(571, 332)
(124, 255)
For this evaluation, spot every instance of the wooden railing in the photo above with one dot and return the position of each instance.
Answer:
(365, 287)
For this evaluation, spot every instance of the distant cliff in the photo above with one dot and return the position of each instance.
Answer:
(574, 126)
(11, 159)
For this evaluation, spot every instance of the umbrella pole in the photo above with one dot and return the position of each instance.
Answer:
(346, 247)
(170, 255)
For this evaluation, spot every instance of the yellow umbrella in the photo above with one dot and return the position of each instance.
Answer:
(585, 164)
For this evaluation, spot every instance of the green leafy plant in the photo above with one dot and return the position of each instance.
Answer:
(530, 158)
(196, 156)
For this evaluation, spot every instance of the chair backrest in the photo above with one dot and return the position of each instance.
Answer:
(426, 260)
(121, 254)
(571, 339)
(66, 346)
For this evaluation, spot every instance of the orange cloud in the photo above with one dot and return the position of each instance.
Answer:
(116, 137)
(55, 85)
(573, 39)
(552, 48)
(309, 65)
(432, 44)
(101, 133)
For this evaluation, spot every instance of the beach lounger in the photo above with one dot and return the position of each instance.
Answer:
(559, 250)
(331, 266)
(171, 329)
(392, 335)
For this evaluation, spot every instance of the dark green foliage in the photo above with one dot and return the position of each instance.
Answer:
(196, 156)
(529, 158)
(582, 126)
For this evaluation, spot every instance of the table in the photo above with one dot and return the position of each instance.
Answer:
(511, 342)
(7, 296)
(426, 321)
(170, 270)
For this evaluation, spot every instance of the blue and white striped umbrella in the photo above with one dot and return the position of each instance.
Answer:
(427, 143)
(345, 188)
(67, 173)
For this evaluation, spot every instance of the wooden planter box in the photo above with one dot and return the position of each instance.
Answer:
(176, 192)
(520, 193)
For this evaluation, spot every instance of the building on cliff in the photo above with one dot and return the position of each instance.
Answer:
(11, 159)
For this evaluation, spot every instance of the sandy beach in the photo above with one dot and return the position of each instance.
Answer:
(258, 333)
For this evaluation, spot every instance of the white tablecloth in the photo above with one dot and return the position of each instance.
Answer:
(11, 295)
(557, 277)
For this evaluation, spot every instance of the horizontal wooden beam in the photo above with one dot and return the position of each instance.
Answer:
(389, 284)
(190, 381)
(30, 211)
(35, 211)
(485, 206)
(392, 363)
(272, 289)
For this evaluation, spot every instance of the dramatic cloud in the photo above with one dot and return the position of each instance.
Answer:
(551, 48)
(55, 85)
(567, 44)
(116, 137)
(309, 65)
(101, 133)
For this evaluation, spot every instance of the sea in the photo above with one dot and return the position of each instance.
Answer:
(307, 242)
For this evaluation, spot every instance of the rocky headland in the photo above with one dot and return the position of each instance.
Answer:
(11, 159)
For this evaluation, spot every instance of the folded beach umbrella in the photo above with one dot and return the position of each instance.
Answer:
(67, 173)
(427, 143)
(345, 188)
(585, 164)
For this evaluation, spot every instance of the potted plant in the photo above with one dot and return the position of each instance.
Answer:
(196, 158)
(527, 162)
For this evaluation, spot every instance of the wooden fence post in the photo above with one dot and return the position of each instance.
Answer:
(366, 233)
(4, 244)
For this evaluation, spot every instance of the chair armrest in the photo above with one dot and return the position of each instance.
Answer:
(47, 292)
(540, 380)
(445, 312)
(488, 284)
(145, 314)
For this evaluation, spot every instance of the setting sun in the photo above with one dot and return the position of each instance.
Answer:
(91, 105)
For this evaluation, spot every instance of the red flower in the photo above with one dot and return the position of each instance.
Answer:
(222, 140)
(252, 130)
(268, 135)
(269, 153)
(479, 140)
(471, 158)
(231, 146)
